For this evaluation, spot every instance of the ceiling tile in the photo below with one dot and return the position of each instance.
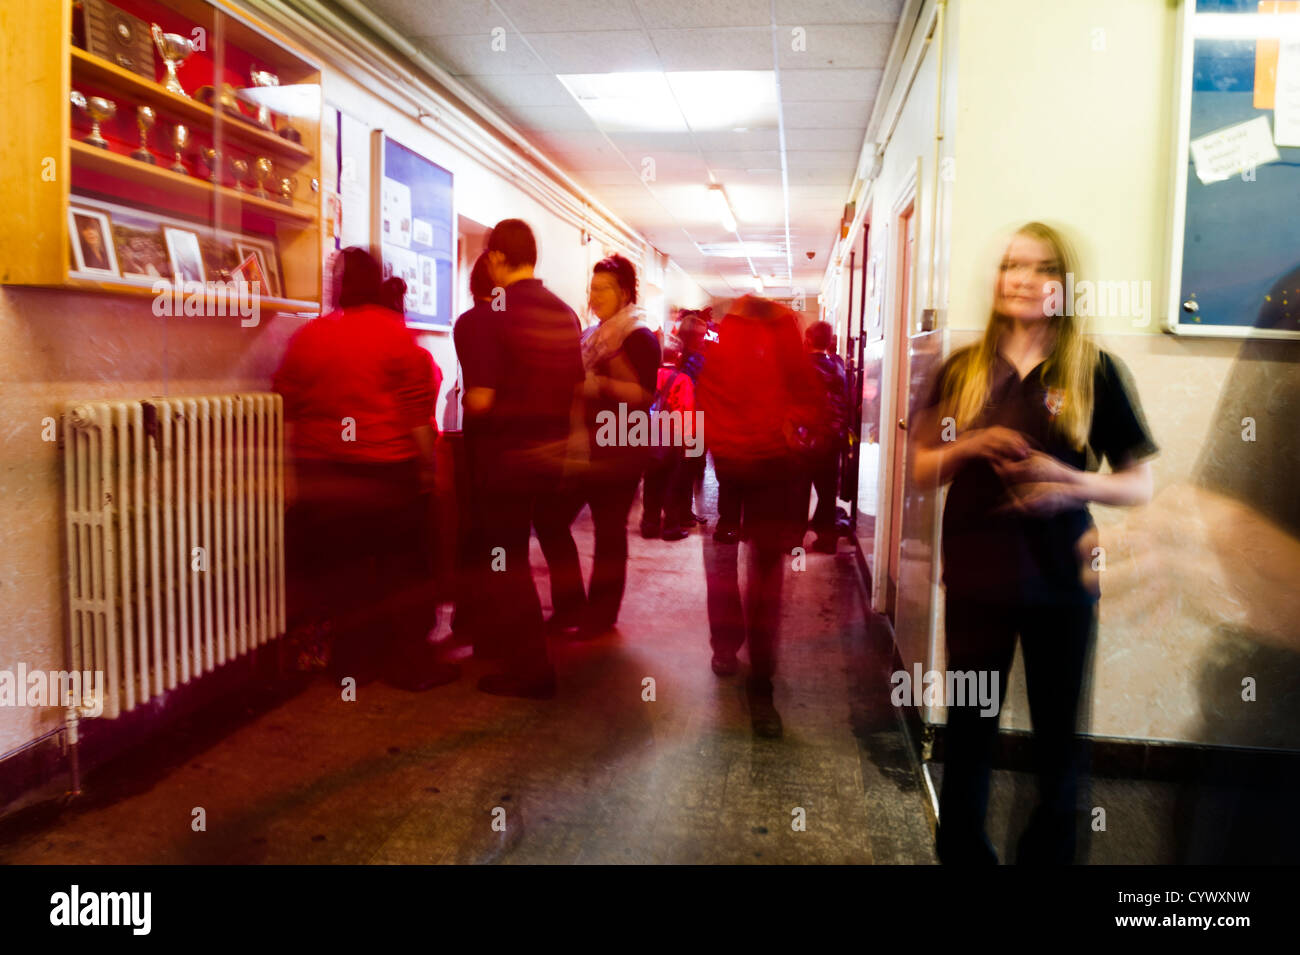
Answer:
(803, 114)
(844, 46)
(555, 118)
(838, 11)
(431, 17)
(674, 14)
(713, 49)
(473, 53)
(611, 51)
(522, 90)
(568, 16)
(828, 85)
(837, 139)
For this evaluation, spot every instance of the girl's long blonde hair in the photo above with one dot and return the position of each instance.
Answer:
(1069, 367)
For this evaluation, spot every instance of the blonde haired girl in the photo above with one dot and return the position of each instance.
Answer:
(1018, 424)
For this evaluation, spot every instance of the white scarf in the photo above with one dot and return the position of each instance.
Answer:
(605, 340)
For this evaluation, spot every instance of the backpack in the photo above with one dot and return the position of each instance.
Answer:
(659, 452)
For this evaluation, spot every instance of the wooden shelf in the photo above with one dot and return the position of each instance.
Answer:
(125, 287)
(136, 91)
(167, 181)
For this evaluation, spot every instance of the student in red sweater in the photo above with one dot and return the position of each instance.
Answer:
(358, 399)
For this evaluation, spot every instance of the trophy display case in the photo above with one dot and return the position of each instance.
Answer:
(153, 141)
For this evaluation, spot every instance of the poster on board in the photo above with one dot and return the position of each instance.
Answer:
(412, 227)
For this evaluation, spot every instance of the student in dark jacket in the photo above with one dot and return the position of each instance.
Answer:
(530, 367)
(474, 351)
(620, 357)
(819, 340)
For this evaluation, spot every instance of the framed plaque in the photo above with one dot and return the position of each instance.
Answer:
(120, 38)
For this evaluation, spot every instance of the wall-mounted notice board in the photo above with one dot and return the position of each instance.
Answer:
(412, 223)
(1235, 236)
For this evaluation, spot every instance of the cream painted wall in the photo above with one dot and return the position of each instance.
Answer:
(57, 347)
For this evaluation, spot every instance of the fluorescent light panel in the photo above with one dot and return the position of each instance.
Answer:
(705, 100)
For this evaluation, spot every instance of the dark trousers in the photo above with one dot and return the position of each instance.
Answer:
(729, 498)
(610, 500)
(357, 557)
(826, 480)
(508, 617)
(1056, 643)
(692, 474)
(768, 496)
(666, 492)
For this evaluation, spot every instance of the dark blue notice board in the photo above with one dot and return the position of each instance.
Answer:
(1241, 236)
(414, 230)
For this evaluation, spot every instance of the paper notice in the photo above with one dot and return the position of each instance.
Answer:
(1233, 149)
(422, 232)
(1286, 96)
(396, 207)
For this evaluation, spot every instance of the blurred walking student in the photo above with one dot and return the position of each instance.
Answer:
(527, 372)
(692, 333)
(666, 492)
(760, 399)
(820, 340)
(358, 399)
(1017, 424)
(425, 608)
(620, 358)
(472, 334)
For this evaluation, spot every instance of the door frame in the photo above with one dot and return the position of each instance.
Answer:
(894, 378)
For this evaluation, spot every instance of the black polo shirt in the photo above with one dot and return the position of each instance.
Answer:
(1008, 557)
(529, 354)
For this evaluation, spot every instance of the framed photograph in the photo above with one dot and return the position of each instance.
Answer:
(219, 257)
(141, 252)
(413, 227)
(184, 254)
(264, 251)
(92, 242)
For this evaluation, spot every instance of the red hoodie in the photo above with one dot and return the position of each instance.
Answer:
(757, 382)
(355, 384)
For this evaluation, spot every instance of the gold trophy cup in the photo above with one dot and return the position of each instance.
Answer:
(262, 170)
(98, 109)
(212, 159)
(287, 187)
(180, 138)
(173, 48)
(240, 168)
(144, 120)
